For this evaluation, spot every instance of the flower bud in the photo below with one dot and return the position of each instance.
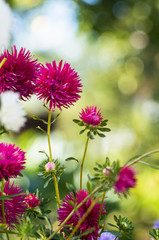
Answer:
(107, 171)
(50, 166)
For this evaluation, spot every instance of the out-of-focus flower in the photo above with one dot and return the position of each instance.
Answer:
(91, 116)
(107, 236)
(92, 218)
(19, 72)
(5, 24)
(50, 166)
(32, 201)
(107, 171)
(15, 207)
(156, 224)
(126, 179)
(12, 115)
(12, 160)
(58, 86)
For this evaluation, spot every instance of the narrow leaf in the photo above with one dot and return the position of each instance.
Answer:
(115, 233)
(101, 134)
(82, 131)
(104, 129)
(76, 120)
(38, 127)
(39, 119)
(148, 164)
(71, 158)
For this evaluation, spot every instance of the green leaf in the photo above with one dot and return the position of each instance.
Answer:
(56, 117)
(7, 197)
(71, 188)
(112, 225)
(104, 129)
(44, 153)
(82, 131)
(101, 134)
(76, 121)
(89, 186)
(115, 233)
(39, 119)
(148, 164)
(38, 127)
(71, 158)
(90, 135)
(46, 183)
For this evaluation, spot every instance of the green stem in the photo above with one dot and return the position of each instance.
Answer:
(141, 157)
(3, 210)
(74, 210)
(84, 154)
(101, 206)
(48, 134)
(51, 159)
(83, 218)
(2, 62)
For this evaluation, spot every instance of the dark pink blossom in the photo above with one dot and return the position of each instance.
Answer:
(58, 86)
(91, 116)
(92, 218)
(15, 207)
(19, 72)
(12, 160)
(32, 201)
(126, 179)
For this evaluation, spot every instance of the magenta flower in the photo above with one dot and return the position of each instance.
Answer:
(59, 86)
(91, 220)
(19, 72)
(126, 179)
(12, 160)
(15, 207)
(91, 116)
(32, 201)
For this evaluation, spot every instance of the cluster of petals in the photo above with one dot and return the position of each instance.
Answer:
(91, 116)
(126, 179)
(12, 114)
(59, 86)
(12, 160)
(15, 207)
(156, 225)
(107, 236)
(19, 72)
(92, 218)
(32, 201)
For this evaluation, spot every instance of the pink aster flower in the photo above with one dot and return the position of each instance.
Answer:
(15, 207)
(12, 160)
(126, 179)
(50, 166)
(19, 72)
(58, 86)
(91, 116)
(32, 201)
(91, 220)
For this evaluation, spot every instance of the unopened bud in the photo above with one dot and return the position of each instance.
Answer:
(107, 171)
(50, 166)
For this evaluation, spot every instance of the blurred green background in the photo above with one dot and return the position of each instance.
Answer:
(114, 46)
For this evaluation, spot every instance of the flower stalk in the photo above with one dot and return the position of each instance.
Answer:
(84, 155)
(51, 159)
(141, 157)
(101, 206)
